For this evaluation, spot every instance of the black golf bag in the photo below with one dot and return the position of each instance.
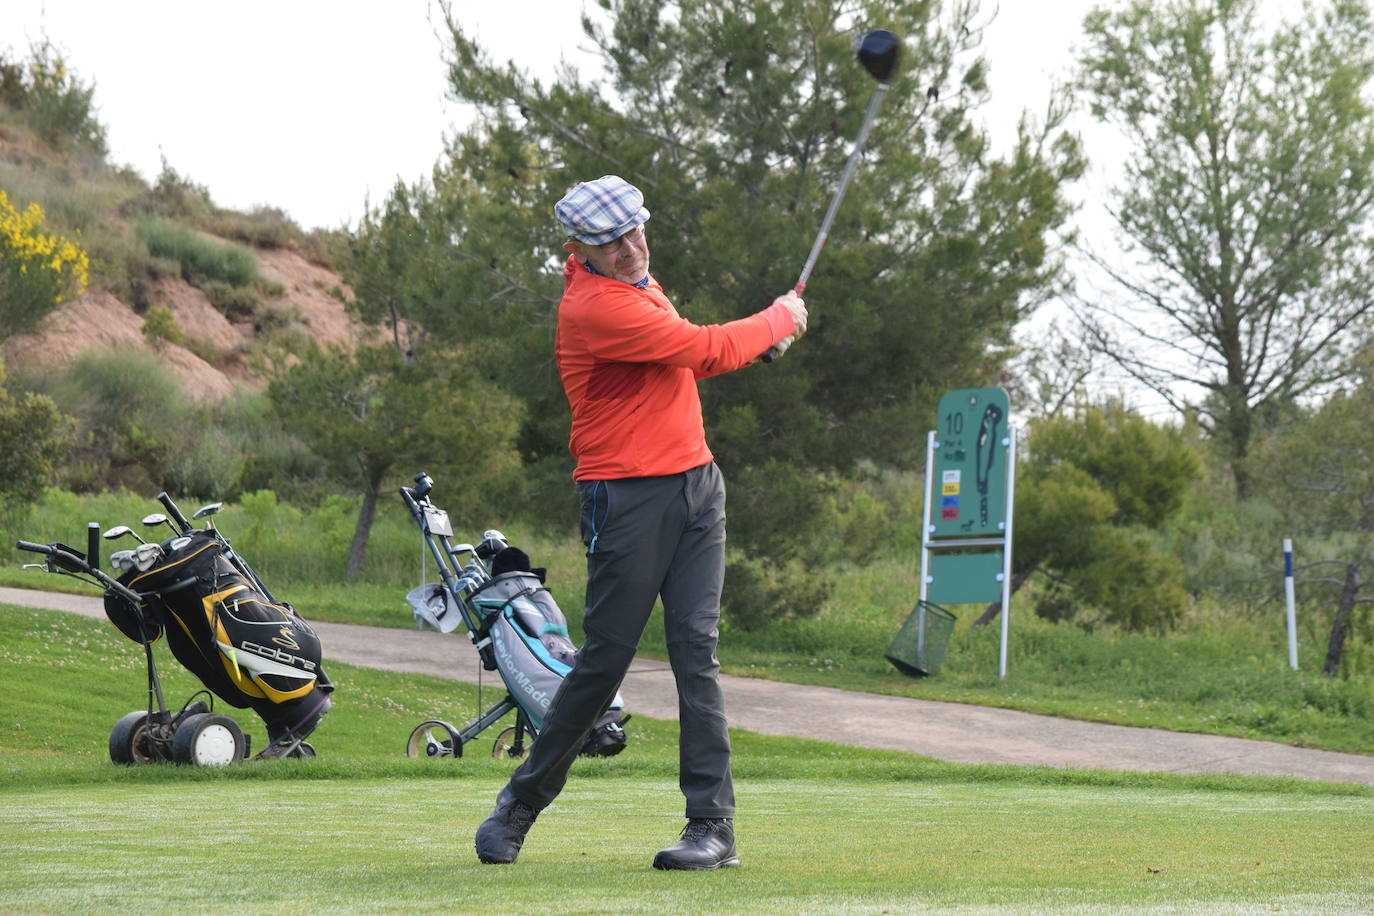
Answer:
(517, 627)
(221, 623)
(227, 630)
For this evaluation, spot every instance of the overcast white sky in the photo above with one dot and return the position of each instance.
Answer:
(312, 105)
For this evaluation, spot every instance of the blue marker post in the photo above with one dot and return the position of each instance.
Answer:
(1288, 596)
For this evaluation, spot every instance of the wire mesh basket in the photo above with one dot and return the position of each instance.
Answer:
(919, 647)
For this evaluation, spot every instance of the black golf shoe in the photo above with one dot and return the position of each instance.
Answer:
(503, 833)
(706, 844)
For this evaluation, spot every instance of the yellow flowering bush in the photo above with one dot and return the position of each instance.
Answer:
(38, 271)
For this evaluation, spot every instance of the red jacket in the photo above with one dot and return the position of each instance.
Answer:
(629, 365)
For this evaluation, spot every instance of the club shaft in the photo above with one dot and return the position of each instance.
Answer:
(850, 168)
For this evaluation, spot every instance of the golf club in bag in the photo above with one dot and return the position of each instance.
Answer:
(221, 623)
(515, 625)
(877, 51)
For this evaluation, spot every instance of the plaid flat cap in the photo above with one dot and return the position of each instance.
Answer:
(596, 212)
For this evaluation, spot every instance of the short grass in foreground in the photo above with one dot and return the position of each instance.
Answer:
(822, 828)
(808, 846)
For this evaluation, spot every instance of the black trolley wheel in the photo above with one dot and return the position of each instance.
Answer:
(130, 741)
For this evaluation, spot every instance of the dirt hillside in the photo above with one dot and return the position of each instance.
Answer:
(98, 320)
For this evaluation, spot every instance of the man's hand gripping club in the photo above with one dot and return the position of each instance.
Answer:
(797, 308)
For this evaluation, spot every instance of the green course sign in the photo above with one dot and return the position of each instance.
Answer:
(972, 450)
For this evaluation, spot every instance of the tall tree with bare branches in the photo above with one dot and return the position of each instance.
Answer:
(1247, 271)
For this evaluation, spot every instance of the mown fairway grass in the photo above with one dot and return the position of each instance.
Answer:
(829, 845)
(823, 829)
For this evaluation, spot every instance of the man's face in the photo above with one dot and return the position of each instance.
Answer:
(626, 258)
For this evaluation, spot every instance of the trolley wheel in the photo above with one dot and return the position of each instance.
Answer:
(208, 739)
(505, 747)
(130, 742)
(434, 738)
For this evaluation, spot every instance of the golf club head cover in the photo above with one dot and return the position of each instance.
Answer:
(513, 559)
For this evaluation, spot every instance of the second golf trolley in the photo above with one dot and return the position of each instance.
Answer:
(221, 624)
(515, 625)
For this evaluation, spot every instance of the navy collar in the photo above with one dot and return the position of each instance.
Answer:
(592, 270)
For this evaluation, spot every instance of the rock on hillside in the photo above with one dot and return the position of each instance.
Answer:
(97, 320)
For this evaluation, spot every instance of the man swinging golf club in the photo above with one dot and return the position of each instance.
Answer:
(653, 513)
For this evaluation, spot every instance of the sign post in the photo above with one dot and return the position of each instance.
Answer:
(1289, 602)
(969, 490)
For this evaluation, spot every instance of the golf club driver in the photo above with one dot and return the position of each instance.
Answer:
(877, 51)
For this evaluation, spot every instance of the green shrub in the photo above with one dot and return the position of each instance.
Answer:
(201, 260)
(131, 413)
(205, 461)
(160, 324)
(174, 197)
(34, 438)
(261, 227)
(858, 522)
(759, 592)
(776, 509)
(271, 319)
(120, 263)
(234, 302)
(49, 98)
(272, 458)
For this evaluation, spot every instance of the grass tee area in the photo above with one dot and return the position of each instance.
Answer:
(823, 829)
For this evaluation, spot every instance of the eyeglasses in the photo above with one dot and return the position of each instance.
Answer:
(612, 248)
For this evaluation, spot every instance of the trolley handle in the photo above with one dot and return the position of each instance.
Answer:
(63, 557)
(59, 555)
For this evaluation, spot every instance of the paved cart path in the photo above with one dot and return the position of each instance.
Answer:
(947, 731)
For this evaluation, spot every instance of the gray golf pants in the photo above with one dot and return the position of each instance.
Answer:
(646, 537)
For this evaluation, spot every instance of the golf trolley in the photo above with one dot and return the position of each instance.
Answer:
(516, 627)
(208, 601)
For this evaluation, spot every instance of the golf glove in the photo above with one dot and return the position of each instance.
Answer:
(797, 308)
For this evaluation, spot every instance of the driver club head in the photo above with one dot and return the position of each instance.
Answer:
(119, 531)
(878, 51)
(207, 510)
